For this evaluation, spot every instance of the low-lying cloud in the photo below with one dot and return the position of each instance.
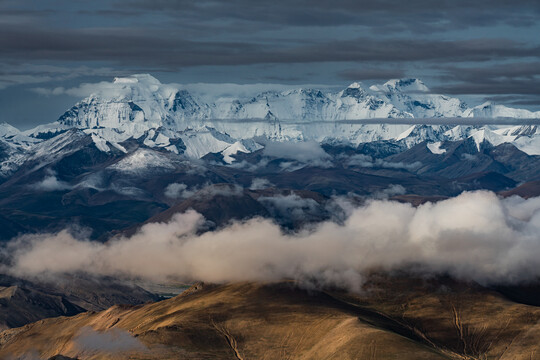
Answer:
(291, 207)
(112, 341)
(260, 184)
(178, 191)
(309, 152)
(475, 236)
(220, 190)
(392, 190)
(368, 161)
(51, 183)
(181, 190)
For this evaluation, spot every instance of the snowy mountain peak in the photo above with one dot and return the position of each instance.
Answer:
(406, 85)
(490, 110)
(485, 105)
(7, 130)
(355, 85)
(188, 120)
(14, 137)
(354, 90)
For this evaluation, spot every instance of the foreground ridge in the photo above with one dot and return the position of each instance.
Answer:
(280, 320)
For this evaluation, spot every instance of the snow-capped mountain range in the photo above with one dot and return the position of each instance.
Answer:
(170, 117)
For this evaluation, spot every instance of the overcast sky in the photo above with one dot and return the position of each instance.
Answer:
(473, 49)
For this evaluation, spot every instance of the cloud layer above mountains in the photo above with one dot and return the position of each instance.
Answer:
(461, 47)
(475, 236)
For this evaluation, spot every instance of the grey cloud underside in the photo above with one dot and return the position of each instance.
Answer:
(371, 72)
(206, 33)
(132, 48)
(515, 100)
(138, 47)
(414, 15)
(509, 78)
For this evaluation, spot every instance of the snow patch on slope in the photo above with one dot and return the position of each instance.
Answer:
(100, 143)
(202, 142)
(232, 150)
(491, 137)
(529, 145)
(143, 160)
(435, 148)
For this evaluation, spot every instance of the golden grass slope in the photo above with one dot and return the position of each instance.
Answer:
(396, 318)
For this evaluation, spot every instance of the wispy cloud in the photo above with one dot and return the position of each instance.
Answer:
(308, 152)
(51, 183)
(28, 74)
(368, 161)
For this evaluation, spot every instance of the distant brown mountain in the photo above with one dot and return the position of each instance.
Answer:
(527, 190)
(25, 301)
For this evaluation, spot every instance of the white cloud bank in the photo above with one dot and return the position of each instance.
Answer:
(475, 236)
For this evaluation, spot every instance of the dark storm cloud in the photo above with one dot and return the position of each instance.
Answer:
(521, 70)
(511, 78)
(515, 100)
(524, 87)
(169, 35)
(405, 50)
(136, 46)
(388, 16)
(414, 15)
(370, 73)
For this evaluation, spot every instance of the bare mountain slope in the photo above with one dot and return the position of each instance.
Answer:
(397, 318)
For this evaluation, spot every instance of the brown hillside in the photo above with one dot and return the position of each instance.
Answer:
(398, 318)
